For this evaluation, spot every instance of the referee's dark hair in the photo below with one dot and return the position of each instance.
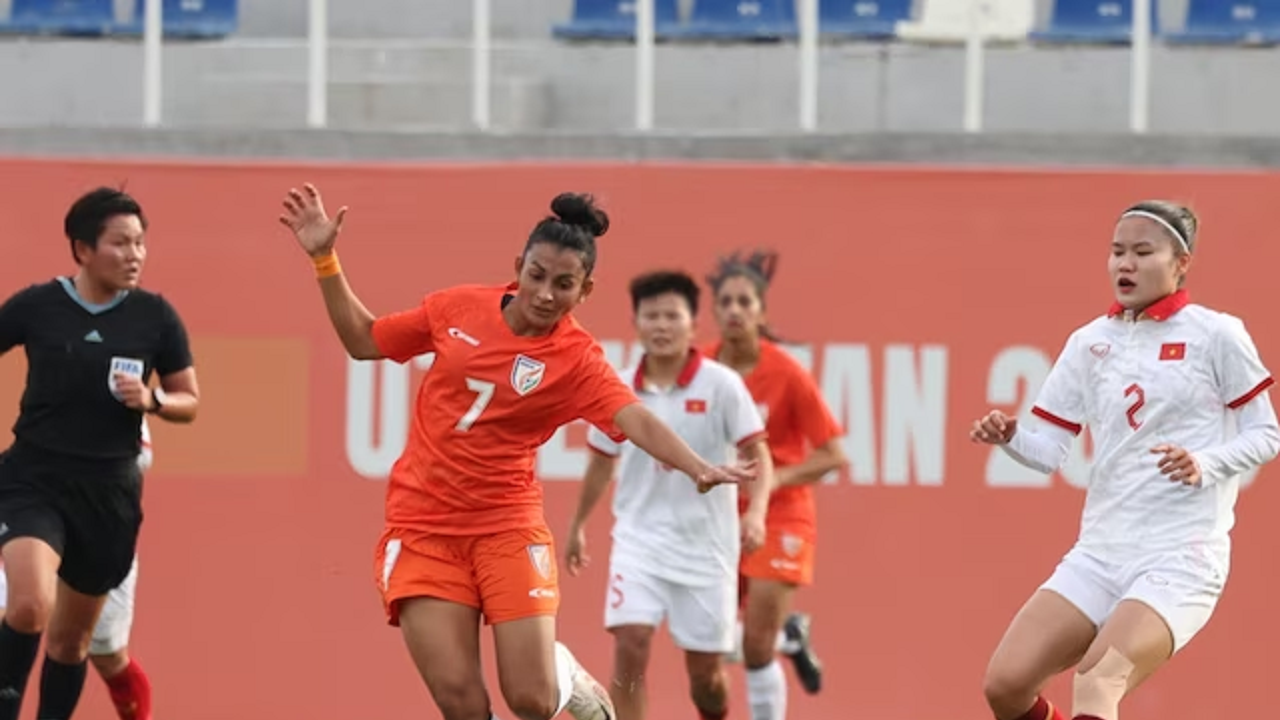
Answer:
(89, 214)
(661, 282)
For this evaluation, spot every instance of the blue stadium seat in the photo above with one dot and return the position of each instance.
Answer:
(188, 18)
(1092, 21)
(739, 20)
(871, 19)
(1230, 22)
(613, 19)
(60, 17)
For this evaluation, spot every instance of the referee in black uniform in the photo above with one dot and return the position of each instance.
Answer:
(70, 490)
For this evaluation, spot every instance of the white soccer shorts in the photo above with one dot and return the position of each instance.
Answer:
(111, 634)
(1181, 586)
(699, 618)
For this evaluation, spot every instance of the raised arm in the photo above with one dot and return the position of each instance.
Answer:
(316, 233)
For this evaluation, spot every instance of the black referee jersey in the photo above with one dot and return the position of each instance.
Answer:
(73, 347)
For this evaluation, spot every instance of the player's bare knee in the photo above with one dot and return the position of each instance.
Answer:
(1008, 691)
(111, 664)
(461, 701)
(68, 645)
(708, 687)
(631, 652)
(29, 612)
(534, 704)
(759, 643)
(1098, 689)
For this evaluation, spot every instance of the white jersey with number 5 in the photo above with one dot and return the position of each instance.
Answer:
(663, 525)
(1183, 375)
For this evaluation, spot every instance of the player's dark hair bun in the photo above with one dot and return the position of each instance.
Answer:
(581, 210)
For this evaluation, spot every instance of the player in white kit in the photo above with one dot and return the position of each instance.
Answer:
(675, 552)
(127, 682)
(1175, 397)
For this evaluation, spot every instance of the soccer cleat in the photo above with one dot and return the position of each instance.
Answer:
(590, 700)
(808, 667)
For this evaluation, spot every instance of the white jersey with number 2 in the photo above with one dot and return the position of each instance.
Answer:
(1181, 375)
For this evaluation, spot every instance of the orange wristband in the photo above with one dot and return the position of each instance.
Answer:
(327, 265)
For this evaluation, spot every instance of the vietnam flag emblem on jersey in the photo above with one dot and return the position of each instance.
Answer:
(1173, 351)
(695, 407)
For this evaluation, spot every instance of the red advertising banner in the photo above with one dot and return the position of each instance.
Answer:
(920, 298)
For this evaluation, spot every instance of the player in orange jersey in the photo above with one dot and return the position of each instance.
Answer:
(465, 535)
(804, 439)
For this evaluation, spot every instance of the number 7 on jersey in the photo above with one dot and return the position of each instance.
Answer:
(484, 393)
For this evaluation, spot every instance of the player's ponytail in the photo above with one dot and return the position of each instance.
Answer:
(575, 224)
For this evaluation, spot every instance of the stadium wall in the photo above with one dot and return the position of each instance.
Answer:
(920, 296)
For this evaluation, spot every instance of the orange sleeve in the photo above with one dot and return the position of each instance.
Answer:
(404, 335)
(817, 424)
(601, 393)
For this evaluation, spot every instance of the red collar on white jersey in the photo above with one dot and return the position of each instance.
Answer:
(1160, 310)
(686, 373)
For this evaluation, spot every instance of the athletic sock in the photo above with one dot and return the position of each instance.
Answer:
(17, 656)
(131, 692)
(767, 692)
(60, 688)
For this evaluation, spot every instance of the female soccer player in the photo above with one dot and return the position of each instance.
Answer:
(465, 534)
(675, 552)
(1159, 382)
(804, 439)
(70, 489)
(126, 681)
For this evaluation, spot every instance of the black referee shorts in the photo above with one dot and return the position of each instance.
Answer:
(88, 510)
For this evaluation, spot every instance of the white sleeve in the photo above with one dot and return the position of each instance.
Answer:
(743, 423)
(1061, 397)
(145, 455)
(1239, 371)
(1257, 441)
(1040, 444)
(602, 443)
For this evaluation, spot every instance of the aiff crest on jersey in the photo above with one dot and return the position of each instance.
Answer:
(526, 374)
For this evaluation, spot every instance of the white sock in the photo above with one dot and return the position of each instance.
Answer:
(767, 692)
(565, 664)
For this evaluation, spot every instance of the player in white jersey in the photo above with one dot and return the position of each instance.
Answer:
(1175, 397)
(127, 683)
(675, 551)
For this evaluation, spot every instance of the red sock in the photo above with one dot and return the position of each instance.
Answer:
(1042, 710)
(131, 693)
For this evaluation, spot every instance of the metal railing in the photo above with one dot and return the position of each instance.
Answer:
(809, 85)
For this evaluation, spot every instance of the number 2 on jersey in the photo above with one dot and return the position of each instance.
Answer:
(1139, 399)
(484, 393)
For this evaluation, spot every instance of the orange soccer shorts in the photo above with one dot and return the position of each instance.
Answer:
(787, 556)
(507, 575)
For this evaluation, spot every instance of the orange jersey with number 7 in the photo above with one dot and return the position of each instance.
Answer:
(489, 401)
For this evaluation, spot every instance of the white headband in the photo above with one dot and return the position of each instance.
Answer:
(1164, 223)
